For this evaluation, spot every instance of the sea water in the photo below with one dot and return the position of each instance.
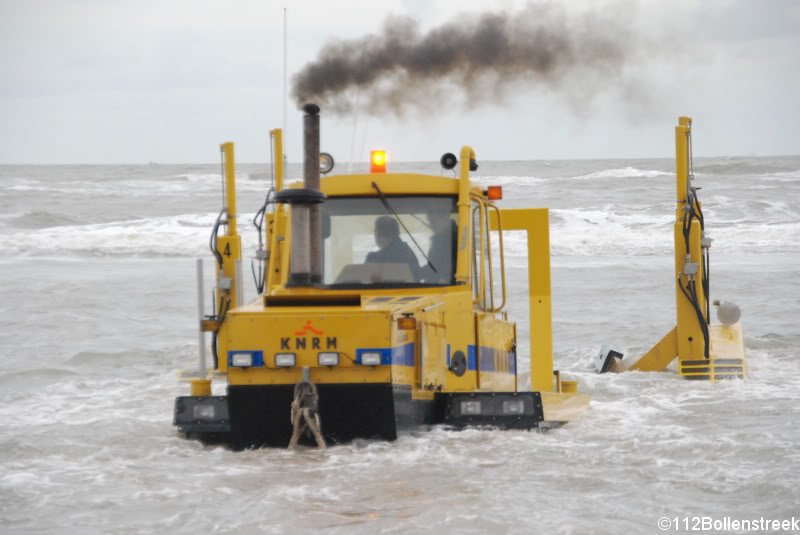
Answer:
(97, 311)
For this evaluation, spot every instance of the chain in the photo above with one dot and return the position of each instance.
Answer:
(305, 414)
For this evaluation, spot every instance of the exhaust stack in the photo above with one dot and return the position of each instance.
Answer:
(311, 178)
(305, 263)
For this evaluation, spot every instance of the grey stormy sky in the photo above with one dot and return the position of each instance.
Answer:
(97, 81)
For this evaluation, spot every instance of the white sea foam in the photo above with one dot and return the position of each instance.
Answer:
(507, 180)
(244, 180)
(136, 187)
(182, 235)
(782, 176)
(613, 230)
(623, 172)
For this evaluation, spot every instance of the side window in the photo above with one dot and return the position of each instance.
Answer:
(488, 272)
(482, 272)
(488, 282)
(476, 252)
(496, 263)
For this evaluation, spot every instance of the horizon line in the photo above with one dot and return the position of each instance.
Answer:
(366, 162)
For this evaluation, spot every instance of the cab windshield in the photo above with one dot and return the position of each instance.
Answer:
(400, 241)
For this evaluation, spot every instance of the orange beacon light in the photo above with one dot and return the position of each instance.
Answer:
(377, 161)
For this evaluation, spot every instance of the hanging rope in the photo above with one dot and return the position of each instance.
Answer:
(304, 414)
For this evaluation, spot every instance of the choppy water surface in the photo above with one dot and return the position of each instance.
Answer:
(98, 310)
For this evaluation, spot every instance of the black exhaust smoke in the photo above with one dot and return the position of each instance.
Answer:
(477, 57)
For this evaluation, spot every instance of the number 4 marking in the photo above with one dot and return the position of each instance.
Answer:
(227, 251)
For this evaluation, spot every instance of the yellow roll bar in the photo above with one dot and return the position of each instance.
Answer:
(536, 223)
(463, 263)
(230, 186)
(277, 155)
(230, 245)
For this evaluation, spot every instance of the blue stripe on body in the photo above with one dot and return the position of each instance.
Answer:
(487, 363)
(394, 356)
(386, 354)
(403, 355)
(487, 359)
(257, 356)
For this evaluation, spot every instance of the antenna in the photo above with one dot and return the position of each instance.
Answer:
(285, 15)
(355, 117)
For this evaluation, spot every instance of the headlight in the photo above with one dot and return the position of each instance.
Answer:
(513, 406)
(328, 359)
(245, 359)
(241, 360)
(470, 407)
(285, 360)
(203, 412)
(370, 358)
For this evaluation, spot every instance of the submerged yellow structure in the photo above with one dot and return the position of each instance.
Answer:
(381, 307)
(704, 351)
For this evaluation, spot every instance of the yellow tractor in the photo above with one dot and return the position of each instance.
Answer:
(380, 308)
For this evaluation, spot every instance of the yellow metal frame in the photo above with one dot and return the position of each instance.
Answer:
(536, 223)
(479, 299)
(277, 220)
(390, 184)
(495, 221)
(277, 151)
(230, 244)
(498, 217)
(686, 341)
(464, 254)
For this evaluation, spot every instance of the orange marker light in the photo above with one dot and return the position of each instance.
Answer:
(406, 323)
(494, 193)
(377, 161)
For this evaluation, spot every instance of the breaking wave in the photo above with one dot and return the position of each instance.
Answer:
(624, 172)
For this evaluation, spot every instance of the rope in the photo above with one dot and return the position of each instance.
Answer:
(304, 414)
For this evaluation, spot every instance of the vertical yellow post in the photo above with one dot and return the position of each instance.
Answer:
(230, 245)
(691, 342)
(277, 154)
(464, 260)
(277, 224)
(682, 160)
(481, 258)
(541, 322)
(230, 187)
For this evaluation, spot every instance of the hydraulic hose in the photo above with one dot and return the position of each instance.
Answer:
(258, 222)
(223, 310)
(691, 294)
(212, 241)
(693, 211)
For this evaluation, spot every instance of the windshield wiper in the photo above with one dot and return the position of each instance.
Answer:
(397, 217)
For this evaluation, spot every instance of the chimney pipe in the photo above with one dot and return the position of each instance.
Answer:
(305, 261)
(311, 181)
